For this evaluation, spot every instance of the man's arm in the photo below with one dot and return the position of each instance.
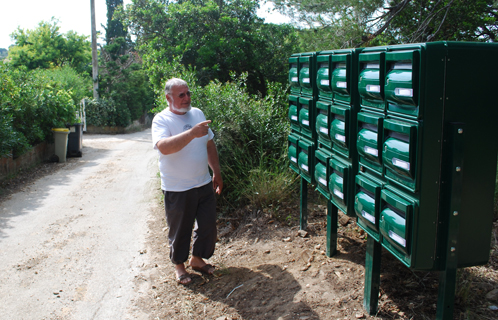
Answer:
(178, 142)
(214, 164)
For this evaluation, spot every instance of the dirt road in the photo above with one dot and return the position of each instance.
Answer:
(72, 243)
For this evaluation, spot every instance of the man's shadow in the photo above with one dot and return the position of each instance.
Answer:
(264, 293)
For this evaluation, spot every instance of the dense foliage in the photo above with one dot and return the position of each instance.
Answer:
(31, 104)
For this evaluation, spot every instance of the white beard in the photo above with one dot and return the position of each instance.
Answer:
(181, 110)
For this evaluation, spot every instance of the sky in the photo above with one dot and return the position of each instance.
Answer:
(72, 15)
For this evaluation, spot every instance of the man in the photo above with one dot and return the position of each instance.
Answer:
(182, 136)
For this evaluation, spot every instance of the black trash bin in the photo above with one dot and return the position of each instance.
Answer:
(75, 140)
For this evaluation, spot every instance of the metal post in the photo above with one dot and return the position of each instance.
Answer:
(372, 276)
(447, 278)
(95, 62)
(332, 213)
(303, 213)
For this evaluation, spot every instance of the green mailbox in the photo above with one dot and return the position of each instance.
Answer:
(307, 74)
(370, 142)
(294, 113)
(306, 159)
(323, 75)
(367, 204)
(340, 183)
(307, 117)
(322, 171)
(295, 86)
(292, 151)
(341, 129)
(371, 79)
(322, 126)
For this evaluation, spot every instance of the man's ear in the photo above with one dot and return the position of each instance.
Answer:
(168, 98)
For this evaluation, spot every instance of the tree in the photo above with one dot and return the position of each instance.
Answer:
(45, 47)
(331, 24)
(213, 37)
(114, 28)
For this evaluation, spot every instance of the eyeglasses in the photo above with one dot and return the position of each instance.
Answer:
(184, 94)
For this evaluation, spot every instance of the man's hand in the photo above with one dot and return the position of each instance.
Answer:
(200, 129)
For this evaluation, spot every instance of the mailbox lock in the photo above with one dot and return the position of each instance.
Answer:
(458, 169)
(460, 131)
(455, 213)
(362, 169)
(453, 249)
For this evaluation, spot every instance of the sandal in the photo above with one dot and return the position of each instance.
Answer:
(183, 277)
(205, 269)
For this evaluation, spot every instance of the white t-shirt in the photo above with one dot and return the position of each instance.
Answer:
(187, 168)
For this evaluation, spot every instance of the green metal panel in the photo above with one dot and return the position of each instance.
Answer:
(339, 180)
(323, 123)
(307, 117)
(307, 74)
(323, 75)
(341, 129)
(322, 171)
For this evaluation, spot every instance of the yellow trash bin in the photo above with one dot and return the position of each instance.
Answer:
(60, 137)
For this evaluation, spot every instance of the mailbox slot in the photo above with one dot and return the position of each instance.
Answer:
(306, 159)
(295, 87)
(292, 151)
(307, 74)
(323, 74)
(340, 129)
(395, 224)
(294, 113)
(338, 182)
(399, 153)
(402, 83)
(369, 141)
(371, 80)
(367, 205)
(322, 158)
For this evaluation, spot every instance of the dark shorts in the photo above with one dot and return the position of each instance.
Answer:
(194, 208)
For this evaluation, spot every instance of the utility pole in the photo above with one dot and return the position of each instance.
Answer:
(95, 62)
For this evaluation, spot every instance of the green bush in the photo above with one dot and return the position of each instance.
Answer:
(105, 112)
(79, 86)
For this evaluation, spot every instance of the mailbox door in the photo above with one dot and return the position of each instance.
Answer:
(369, 141)
(340, 78)
(340, 172)
(306, 159)
(323, 123)
(307, 117)
(292, 151)
(367, 204)
(294, 113)
(402, 83)
(399, 153)
(295, 87)
(307, 74)
(371, 80)
(395, 225)
(340, 129)
(322, 158)
(323, 76)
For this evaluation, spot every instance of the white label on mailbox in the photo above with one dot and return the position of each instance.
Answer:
(403, 92)
(294, 79)
(341, 84)
(340, 137)
(324, 82)
(339, 194)
(368, 216)
(322, 181)
(305, 122)
(372, 151)
(294, 118)
(306, 80)
(373, 88)
(293, 159)
(397, 238)
(324, 130)
(372, 66)
(401, 164)
(305, 167)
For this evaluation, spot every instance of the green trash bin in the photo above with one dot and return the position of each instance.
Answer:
(75, 140)
(60, 137)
